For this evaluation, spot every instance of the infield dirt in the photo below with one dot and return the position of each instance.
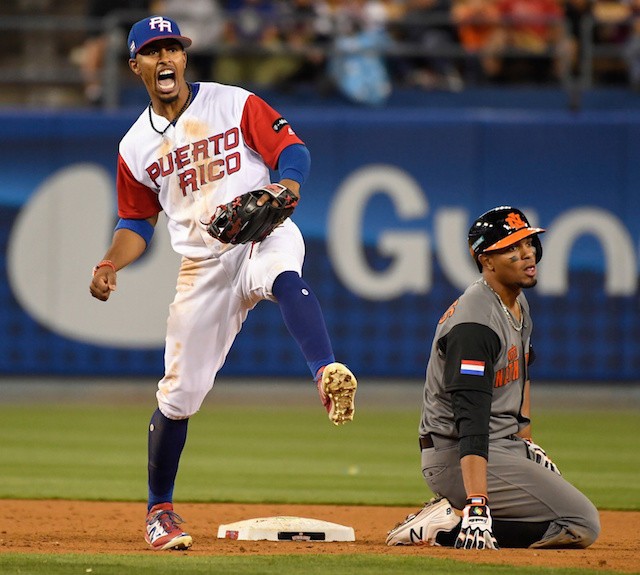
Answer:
(55, 526)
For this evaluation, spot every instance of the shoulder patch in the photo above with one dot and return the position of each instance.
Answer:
(279, 124)
(471, 367)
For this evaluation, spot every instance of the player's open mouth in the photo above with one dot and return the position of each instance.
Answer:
(166, 80)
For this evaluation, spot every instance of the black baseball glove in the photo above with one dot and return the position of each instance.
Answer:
(242, 221)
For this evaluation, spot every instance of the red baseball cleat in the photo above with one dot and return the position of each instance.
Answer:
(162, 531)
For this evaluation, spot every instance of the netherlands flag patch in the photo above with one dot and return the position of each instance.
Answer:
(471, 367)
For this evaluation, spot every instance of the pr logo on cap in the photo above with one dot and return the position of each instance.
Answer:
(160, 23)
(151, 29)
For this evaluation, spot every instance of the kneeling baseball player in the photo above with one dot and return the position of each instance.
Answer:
(478, 455)
(202, 153)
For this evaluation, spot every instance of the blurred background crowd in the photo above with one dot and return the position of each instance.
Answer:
(72, 52)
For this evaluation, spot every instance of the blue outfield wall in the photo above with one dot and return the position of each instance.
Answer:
(384, 214)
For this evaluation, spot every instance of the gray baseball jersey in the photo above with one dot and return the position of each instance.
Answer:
(507, 372)
(492, 352)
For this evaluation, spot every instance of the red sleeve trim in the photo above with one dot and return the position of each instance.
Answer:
(135, 200)
(266, 131)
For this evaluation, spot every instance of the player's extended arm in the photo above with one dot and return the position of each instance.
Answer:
(126, 247)
(472, 410)
(471, 401)
(476, 529)
(474, 474)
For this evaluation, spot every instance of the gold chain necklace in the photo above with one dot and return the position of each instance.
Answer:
(184, 107)
(506, 310)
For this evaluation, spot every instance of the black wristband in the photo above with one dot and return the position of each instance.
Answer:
(474, 445)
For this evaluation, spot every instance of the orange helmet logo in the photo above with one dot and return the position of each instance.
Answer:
(515, 221)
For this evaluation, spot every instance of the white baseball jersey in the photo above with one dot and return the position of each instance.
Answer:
(221, 146)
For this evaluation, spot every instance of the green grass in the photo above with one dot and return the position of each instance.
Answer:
(286, 454)
(11, 564)
(598, 452)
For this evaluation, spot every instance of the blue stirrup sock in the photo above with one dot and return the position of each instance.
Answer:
(166, 441)
(303, 317)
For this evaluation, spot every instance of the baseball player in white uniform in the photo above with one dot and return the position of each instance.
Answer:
(195, 147)
(475, 433)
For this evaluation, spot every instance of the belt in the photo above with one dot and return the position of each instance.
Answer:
(426, 441)
(433, 440)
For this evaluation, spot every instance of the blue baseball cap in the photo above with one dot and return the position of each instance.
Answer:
(151, 29)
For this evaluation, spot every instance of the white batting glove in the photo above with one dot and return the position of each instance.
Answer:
(539, 455)
(476, 530)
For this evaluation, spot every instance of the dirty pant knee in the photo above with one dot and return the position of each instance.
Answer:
(564, 533)
(179, 404)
